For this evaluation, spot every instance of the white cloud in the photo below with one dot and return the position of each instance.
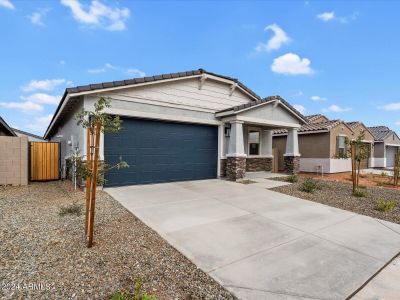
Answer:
(278, 39)
(62, 62)
(330, 16)
(135, 72)
(37, 16)
(397, 123)
(318, 98)
(392, 106)
(291, 64)
(326, 16)
(110, 66)
(40, 123)
(25, 107)
(98, 14)
(6, 4)
(97, 71)
(45, 85)
(300, 108)
(336, 108)
(42, 98)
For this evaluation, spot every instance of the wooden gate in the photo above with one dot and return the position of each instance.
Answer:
(44, 161)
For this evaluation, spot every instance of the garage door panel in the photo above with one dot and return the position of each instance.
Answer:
(161, 152)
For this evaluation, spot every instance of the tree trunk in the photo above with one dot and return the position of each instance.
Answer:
(353, 167)
(88, 182)
(94, 183)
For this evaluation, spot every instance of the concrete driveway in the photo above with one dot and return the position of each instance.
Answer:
(261, 244)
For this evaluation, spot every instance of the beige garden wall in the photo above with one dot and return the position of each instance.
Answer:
(13, 160)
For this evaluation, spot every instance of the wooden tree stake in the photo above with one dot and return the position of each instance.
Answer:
(94, 182)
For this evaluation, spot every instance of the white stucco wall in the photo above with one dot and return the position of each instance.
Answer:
(70, 135)
(329, 165)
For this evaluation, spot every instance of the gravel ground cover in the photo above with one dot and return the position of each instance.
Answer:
(339, 194)
(43, 255)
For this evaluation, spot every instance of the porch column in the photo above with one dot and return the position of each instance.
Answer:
(292, 155)
(236, 157)
(266, 150)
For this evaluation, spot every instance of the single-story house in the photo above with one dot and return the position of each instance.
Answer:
(322, 144)
(31, 137)
(358, 128)
(5, 130)
(181, 126)
(387, 143)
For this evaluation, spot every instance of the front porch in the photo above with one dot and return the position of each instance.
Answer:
(247, 145)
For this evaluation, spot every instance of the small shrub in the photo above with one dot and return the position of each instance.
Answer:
(380, 183)
(383, 174)
(292, 178)
(360, 193)
(72, 209)
(137, 295)
(309, 186)
(386, 205)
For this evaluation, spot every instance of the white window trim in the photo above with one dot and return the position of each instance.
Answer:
(259, 141)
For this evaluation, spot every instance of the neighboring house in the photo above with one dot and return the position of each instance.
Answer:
(316, 118)
(322, 145)
(359, 128)
(31, 137)
(181, 126)
(5, 130)
(387, 142)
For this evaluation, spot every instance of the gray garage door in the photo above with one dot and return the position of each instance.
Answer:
(159, 151)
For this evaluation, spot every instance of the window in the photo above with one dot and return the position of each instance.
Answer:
(254, 142)
(341, 146)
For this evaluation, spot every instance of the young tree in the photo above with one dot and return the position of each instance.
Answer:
(95, 122)
(359, 151)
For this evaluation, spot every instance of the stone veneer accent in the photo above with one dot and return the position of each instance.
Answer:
(222, 171)
(235, 168)
(256, 164)
(291, 164)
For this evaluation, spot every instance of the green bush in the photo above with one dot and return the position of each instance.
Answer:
(292, 178)
(137, 295)
(383, 174)
(360, 193)
(309, 185)
(386, 205)
(72, 209)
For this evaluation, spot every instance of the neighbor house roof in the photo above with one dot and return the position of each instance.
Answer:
(28, 133)
(6, 127)
(354, 124)
(78, 90)
(380, 133)
(270, 99)
(313, 118)
(313, 127)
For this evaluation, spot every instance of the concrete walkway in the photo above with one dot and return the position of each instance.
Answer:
(261, 244)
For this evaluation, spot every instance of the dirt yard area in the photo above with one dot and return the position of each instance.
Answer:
(369, 180)
(339, 194)
(43, 255)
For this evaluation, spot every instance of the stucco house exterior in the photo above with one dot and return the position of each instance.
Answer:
(5, 129)
(181, 126)
(387, 143)
(322, 144)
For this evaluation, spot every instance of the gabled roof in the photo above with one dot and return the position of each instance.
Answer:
(313, 118)
(380, 133)
(314, 127)
(6, 127)
(353, 125)
(28, 133)
(270, 99)
(82, 89)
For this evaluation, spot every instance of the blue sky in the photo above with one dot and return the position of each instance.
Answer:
(331, 57)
